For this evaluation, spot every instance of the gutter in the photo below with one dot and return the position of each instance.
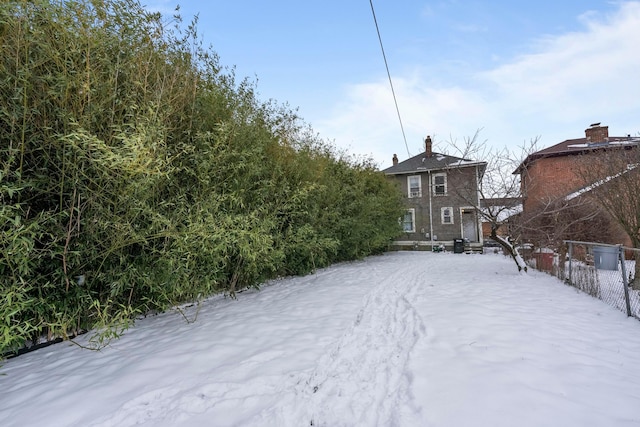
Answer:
(430, 212)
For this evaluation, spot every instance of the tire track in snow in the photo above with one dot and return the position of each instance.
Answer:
(363, 379)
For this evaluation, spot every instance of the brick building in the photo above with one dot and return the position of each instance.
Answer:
(553, 173)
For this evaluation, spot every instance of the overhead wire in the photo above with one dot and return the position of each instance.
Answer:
(386, 64)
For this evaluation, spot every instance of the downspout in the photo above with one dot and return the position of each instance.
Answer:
(430, 212)
(478, 214)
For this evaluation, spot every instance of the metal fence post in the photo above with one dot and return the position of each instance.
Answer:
(570, 259)
(625, 281)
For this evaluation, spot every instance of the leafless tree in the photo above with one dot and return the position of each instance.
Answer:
(613, 172)
(545, 223)
(555, 220)
(497, 182)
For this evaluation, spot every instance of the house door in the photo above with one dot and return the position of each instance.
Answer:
(469, 225)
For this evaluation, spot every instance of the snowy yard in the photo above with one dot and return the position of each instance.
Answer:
(403, 339)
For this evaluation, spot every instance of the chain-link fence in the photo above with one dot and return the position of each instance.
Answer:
(606, 272)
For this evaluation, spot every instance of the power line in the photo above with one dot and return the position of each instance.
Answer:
(393, 92)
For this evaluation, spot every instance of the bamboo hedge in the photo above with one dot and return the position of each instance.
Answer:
(137, 173)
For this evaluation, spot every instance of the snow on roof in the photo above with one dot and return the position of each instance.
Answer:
(630, 141)
(463, 162)
(576, 146)
(436, 162)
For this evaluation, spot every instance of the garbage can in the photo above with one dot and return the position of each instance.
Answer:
(458, 246)
(605, 257)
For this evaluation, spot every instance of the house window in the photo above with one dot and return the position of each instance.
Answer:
(440, 184)
(415, 186)
(447, 215)
(409, 221)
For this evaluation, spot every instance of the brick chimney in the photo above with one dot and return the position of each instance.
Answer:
(597, 134)
(428, 147)
(395, 159)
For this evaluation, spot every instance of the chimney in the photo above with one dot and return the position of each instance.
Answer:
(428, 147)
(597, 134)
(395, 159)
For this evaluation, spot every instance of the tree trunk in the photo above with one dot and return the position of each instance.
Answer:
(511, 250)
(562, 259)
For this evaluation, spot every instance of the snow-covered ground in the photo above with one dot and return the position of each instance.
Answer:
(403, 339)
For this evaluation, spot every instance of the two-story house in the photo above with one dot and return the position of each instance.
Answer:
(442, 200)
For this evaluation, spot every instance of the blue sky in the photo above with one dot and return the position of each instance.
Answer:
(516, 70)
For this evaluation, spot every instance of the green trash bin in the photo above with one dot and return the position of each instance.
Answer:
(606, 257)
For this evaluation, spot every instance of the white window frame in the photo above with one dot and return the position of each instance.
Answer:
(434, 185)
(412, 212)
(442, 215)
(411, 194)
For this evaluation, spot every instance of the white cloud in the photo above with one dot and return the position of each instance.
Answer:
(564, 83)
(367, 122)
(470, 28)
(577, 68)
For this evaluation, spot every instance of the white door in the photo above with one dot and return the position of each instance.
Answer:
(469, 225)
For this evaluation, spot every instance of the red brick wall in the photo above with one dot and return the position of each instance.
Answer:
(553, 177)
(549, 178)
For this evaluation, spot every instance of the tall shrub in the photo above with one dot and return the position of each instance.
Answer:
(136, 173)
